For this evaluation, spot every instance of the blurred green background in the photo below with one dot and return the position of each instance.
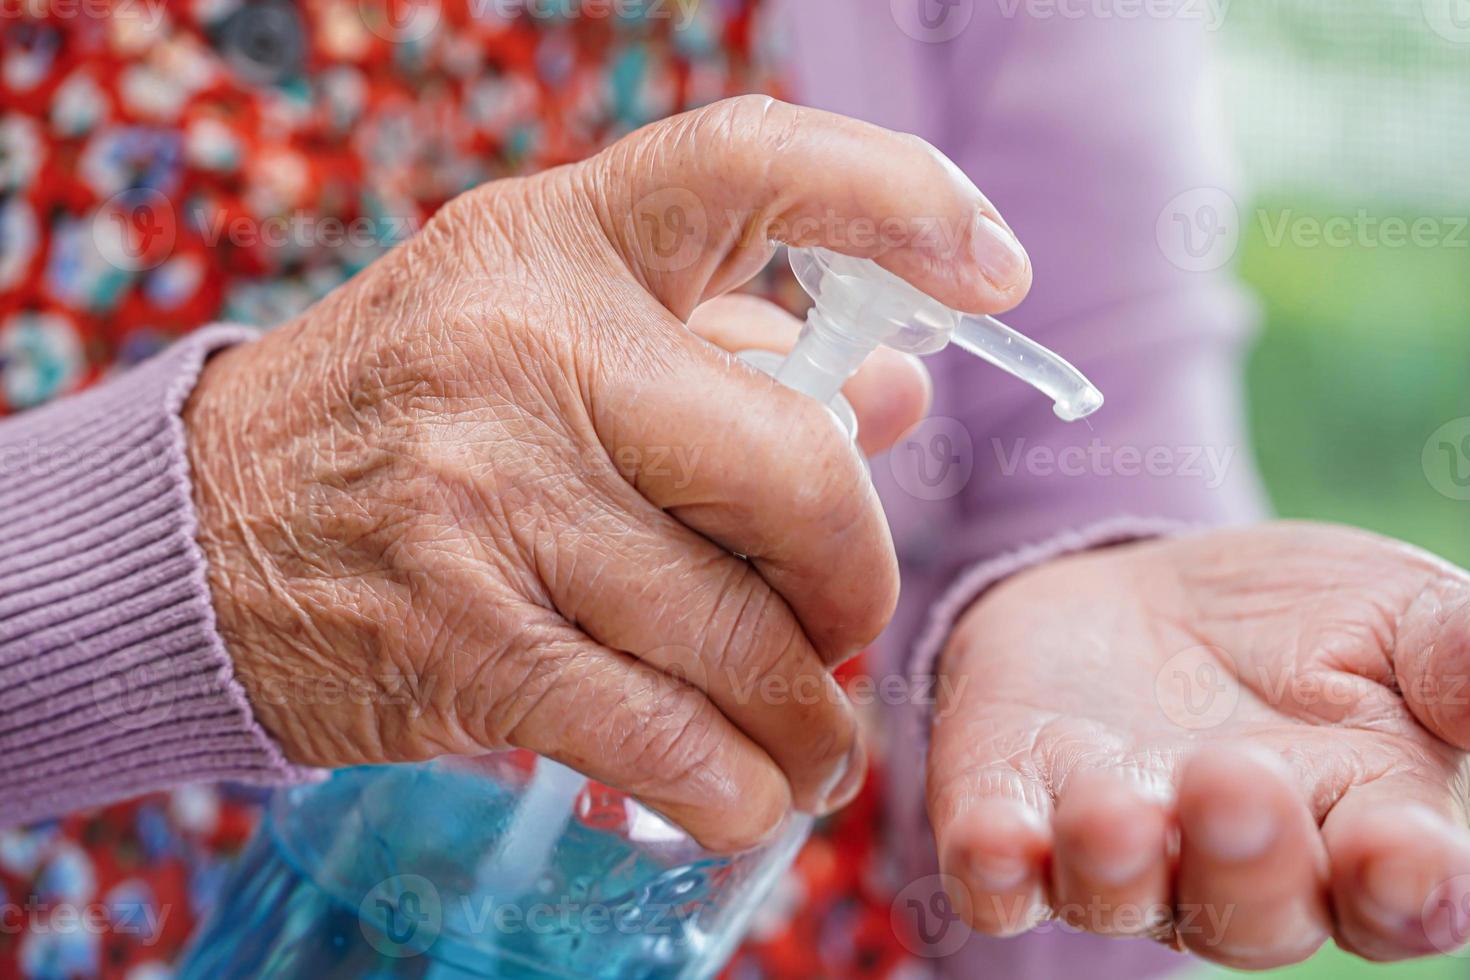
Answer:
(1358, 109)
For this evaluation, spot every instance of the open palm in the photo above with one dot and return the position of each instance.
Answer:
(1239, 741)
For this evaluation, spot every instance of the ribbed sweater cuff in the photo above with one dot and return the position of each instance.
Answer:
(113, 678)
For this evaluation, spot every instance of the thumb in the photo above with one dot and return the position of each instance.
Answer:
(1431, 659)
(694, 205)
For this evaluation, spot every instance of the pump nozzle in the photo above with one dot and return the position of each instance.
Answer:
(1073, 396)
(858, 306)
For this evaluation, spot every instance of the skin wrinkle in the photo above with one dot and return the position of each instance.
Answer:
(1421, 663)
(971, 785)
(448, 629)
(749, 602)
(442, 645)
(733, 601)
(1199, 622)
(1051, 740)
(604, 357)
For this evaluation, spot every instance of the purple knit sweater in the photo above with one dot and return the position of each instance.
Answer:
(113, 679)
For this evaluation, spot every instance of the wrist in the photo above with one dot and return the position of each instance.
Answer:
(234, 560)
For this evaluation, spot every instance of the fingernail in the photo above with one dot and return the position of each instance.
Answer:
(1235, 834)
(1391, 897)
(997, 872)
(1116, 867)
(1391, 892)
(999, 255)
(849, 779)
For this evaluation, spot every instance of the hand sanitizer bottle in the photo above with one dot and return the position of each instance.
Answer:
(514, 866)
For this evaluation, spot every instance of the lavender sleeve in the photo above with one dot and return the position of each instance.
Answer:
(1090, 133)
(113, 679)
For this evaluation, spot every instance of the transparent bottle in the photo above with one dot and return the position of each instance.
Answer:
(391, 871)
(514, 866)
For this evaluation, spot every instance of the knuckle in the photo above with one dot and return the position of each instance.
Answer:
(447, 227)
(479, 217)
(758, 122)
(759, 817)
(747, 130)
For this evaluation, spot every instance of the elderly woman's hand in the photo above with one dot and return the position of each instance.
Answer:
(1241, 741)
(491, 492)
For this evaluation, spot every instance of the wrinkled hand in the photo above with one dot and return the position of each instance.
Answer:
(1235, 741)
(493, 488)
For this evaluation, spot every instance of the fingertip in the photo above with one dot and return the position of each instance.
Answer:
(999, 256)
(851, 778)
(1231, 769)
(1110, 870)
(1252, 866)
(890, 394)
(1445, 920)
(1401, 882)
(1432, 660)
(999, 850)
(1232, 801)
(1243, 759)
(1110, 830)
(960, 281)
(761, 816)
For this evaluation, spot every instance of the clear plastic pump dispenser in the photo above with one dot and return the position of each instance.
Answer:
(514, 866)
(858, 306)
